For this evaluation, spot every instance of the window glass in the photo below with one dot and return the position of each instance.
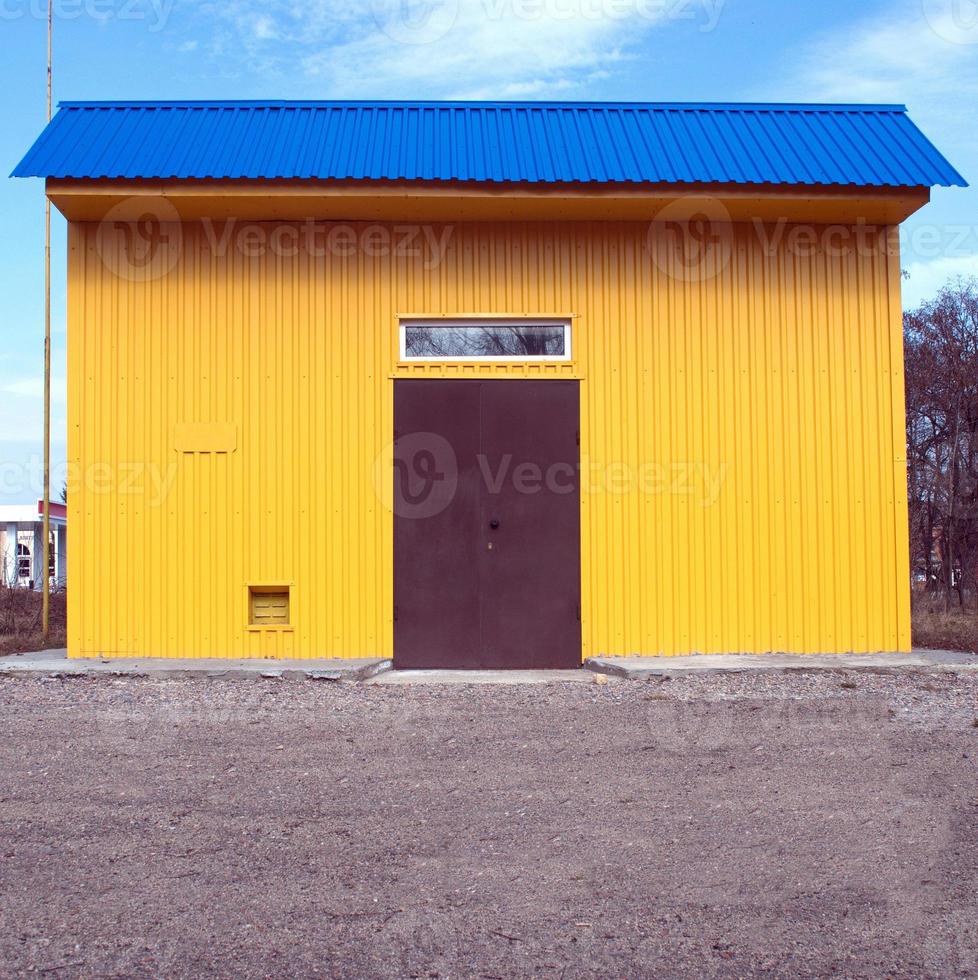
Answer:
(489, 341)
(23, 561)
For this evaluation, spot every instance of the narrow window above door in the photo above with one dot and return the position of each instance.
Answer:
(485, 340)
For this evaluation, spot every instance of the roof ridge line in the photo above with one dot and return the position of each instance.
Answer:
(461, 104)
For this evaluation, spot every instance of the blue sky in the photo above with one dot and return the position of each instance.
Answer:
(920, 52)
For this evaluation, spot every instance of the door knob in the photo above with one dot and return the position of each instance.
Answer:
(494, 523)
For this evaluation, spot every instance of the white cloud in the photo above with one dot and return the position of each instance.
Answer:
(264, 29)
(898, 55)
(926, 278)
(23, 422)
(449, 48)
(33, 388)
(22, 469)
(919, 53)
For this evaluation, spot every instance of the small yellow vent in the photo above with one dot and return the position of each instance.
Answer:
(268, 605)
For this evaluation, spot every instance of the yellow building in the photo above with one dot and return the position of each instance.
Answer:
(485, 384)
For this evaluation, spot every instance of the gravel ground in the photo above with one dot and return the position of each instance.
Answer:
(756, 824)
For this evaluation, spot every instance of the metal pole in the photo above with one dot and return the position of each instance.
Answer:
(46, 547)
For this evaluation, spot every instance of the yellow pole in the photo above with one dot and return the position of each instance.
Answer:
(46, 550)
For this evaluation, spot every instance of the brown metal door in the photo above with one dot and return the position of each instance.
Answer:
(486, 524)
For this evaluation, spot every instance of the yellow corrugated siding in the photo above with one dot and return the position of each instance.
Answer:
(782, 373)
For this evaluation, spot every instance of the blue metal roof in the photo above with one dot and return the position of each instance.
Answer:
(535, 142)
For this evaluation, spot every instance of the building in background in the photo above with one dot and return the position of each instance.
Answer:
(22, 543)
(486, 384)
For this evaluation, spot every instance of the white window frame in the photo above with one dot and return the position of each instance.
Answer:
(501, 321)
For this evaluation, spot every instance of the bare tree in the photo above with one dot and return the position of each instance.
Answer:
(485, 340)
(941, 341)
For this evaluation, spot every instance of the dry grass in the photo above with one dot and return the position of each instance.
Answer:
(20, 621)
(935, 629)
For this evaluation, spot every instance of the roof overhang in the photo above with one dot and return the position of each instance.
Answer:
(296, 200)
(31, 513)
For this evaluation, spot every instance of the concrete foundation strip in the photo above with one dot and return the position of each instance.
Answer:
(55, 664)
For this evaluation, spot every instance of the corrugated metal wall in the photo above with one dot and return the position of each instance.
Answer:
(742, 436)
